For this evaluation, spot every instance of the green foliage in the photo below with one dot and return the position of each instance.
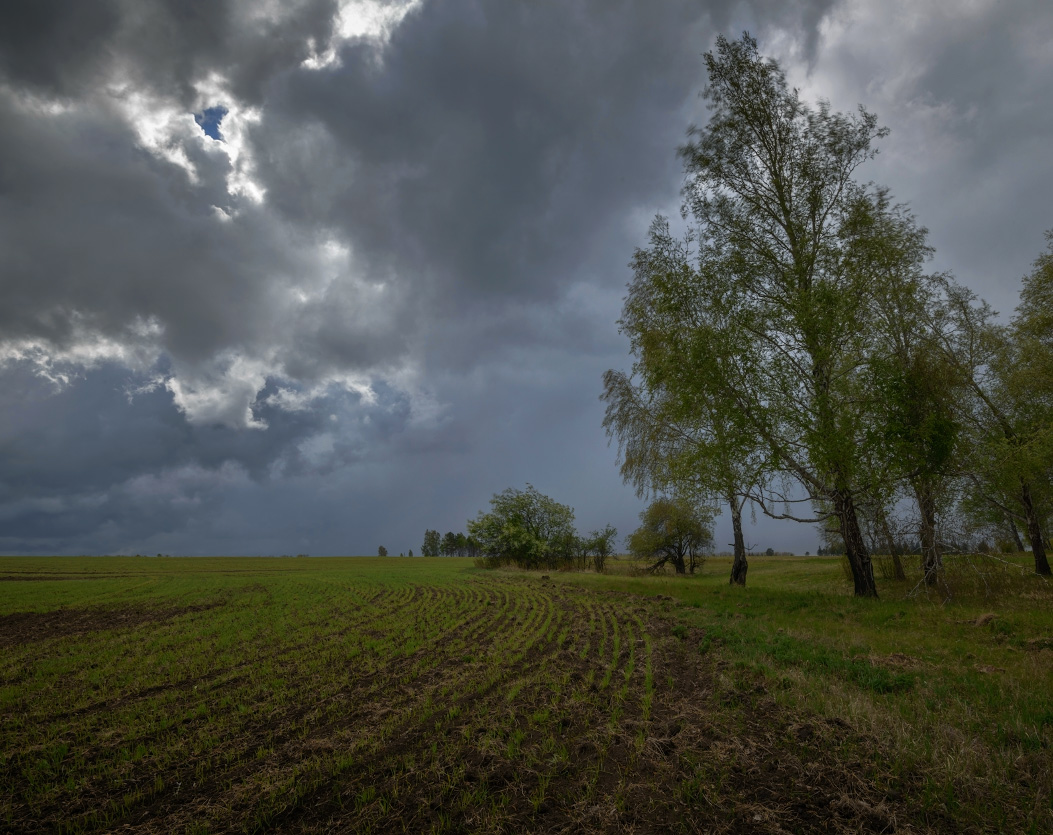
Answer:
(432, 544)
(600, 544)
(673, 531)
(382, 551)
(526, 528)
(1029, 376)
(914, 402)
(458, 545)
(754, 334)
(1033, 322)
(1009, 410)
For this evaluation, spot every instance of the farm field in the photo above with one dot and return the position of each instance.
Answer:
(427, 695)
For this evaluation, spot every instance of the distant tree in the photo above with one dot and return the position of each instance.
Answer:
(584, 552)
(432, 543)
(601, 546)
(448, 548)
(770, 552)
(411, 552)
(524, 527)
(566, 549)
(673, 531)
(830, 534)
(382, 551)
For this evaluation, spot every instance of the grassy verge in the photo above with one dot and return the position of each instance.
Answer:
(956, 694)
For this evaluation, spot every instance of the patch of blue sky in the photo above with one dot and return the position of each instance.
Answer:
(209, 119)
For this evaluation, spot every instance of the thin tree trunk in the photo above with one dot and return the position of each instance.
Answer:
(738, 565)
(1015, 531)
(890, 542)
(855, 547)
(931, 559)
(1034, 530)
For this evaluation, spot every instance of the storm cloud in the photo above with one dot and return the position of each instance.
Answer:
(311, 277)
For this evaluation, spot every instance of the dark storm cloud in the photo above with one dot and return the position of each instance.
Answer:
(477, 163)
(497, 144)
(69, 47)
(101, 462)
(966, 93)
(417, 312)
(495, 139)
(90, 224)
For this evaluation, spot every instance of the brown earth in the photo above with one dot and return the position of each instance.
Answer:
(30, 627)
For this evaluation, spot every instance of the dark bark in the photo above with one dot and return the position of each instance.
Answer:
(678, 563)
(738, 565)
(855, 547)
(1034, 530)
(931, 559)
(1015, 532)
(890, 542)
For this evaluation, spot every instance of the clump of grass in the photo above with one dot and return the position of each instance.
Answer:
(788, 651)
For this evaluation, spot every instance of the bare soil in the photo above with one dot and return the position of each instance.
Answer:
(30, 627)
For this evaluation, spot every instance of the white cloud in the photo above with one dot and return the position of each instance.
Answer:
(136, 349)
(222, 391)
(360, 19)
(162, 127)
(293, 399)
(234, 129)
(169, 132)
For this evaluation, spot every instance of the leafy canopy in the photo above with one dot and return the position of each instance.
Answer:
(525, 527)
(673, 530)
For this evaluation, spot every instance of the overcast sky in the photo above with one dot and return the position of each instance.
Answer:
(311, 277)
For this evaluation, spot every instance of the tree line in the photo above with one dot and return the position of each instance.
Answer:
(792, 352)
(450, 545)
(531, 530)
